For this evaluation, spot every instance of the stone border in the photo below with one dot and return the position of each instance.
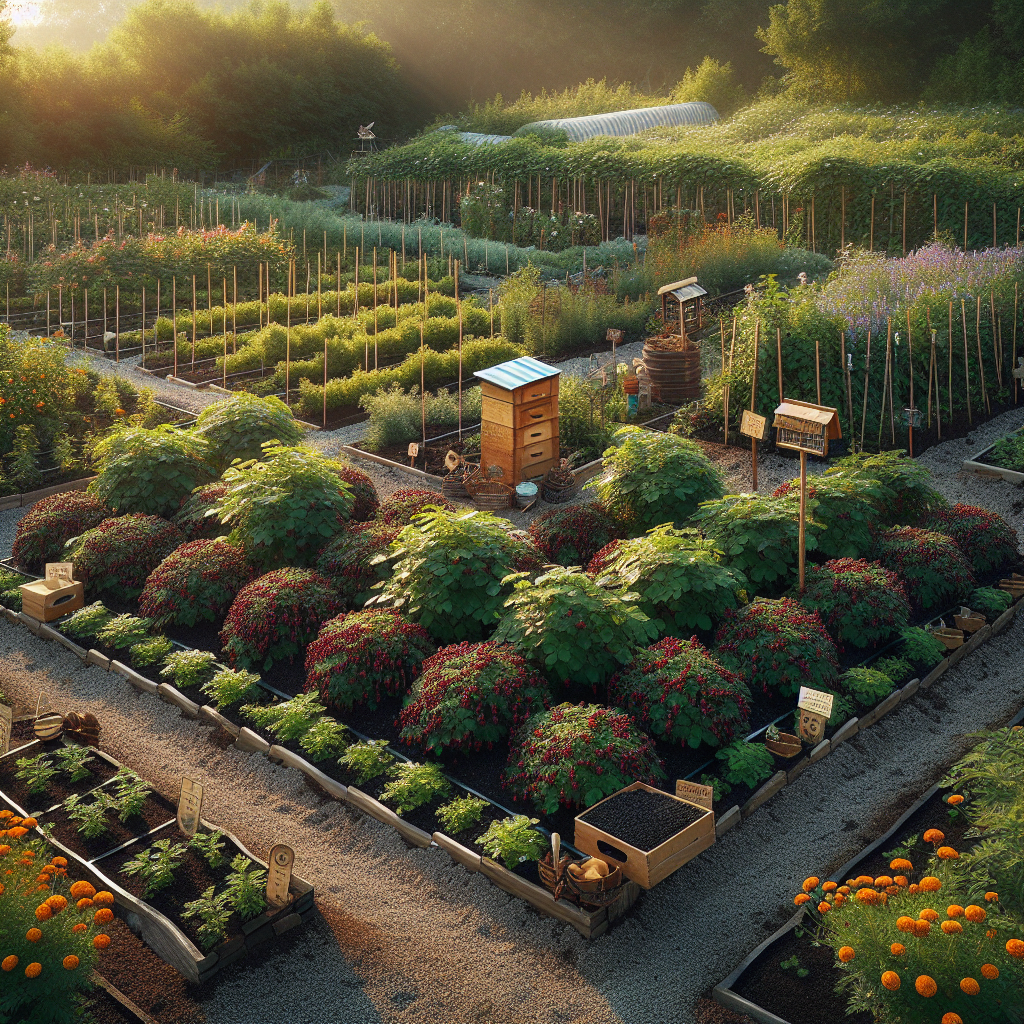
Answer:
(588, 925)
(723, 992)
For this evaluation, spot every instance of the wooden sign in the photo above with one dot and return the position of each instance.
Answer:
(812, 726)
(279, 875)
(6, 722)
(414, 449)
(614, 336)
(752, 425)
(60, 571)
(190, 806)
(816, 701)
(695, 792)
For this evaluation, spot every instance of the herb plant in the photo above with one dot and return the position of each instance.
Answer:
(1009, 451)
(283, 509)
(413, 785)
(571, 628)
(188, 668)
(921, 647)
(289, 720)
(230, 686)
(237, 427)
(155, 866)
(577, 754)
(471, 694)
(573, 534)
(74, 762)
(678, 577)
(35, 772)
(932, 566)
(130, 792)
(87, 622)
(986, 538)
(867, 686)
(513, 841)
(680, 694)
(461, 814)
(746, 764)
(367, 760)
(210, 846)
(246, 887)
(908, 497)
(89, 813)
(124, 630)
(361, 655)
(51, 522)
(990, 601)
(323, 739)
(273, 618)
(899, 670)
(213, 913)
(149, 652)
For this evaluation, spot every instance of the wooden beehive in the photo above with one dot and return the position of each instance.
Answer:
(519, 419)
(807, 428)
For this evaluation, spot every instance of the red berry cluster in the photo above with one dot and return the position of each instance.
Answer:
(346, 560)
(192, 517)
(985, 537)
(931, 565)
(367, 504)
(400, 507)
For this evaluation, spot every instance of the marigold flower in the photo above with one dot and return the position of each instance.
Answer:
(952, 1018)
(954, 910)
(928, 914)
(989, 971)
(975, 913)
(103, 916)
(43, 912)
(861, 880)
(844, 889)
(33, 935)
(4, 850)
(921, 928)
(80, 927)
(891, 890)
(829, 887)
(901, 881)
(84, 903)
(955, 799)
(101, 941)
(882, 881)
(926, 986)
(823, 907)
(933, 835)
(846, 954)
(840, 899)
(9, 962)
(33, 970)
(70, 962)
(969, 986)
(104, 898)
(801, 899)
(947, 853)
(991, 897)
(16, 833)
(991, 933)
(897, 949)
(57, 903)
(905, 924)
(1015, 947)
(810, 884)
(930, 884)
(952, 927)
(900, 864)
(29, 822)
(80, 889)
(5, 814)
(61, 862)
(866, 896)
(913, 888)
(891, 981)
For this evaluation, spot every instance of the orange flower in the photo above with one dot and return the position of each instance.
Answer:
(867, 896)
(902, 881)
(103, 916)
(926, 986)
(70, 962)
(991, 933)
(913, 888)
(80, 927)
(891, 890)
(846, 954)
(61, 862)
(823, 907)
(43, 912)
(29, 822)
(991, 897)
(4, 850)
(5, 814)
(947, 853)
(33, 935)
(1015, 947)
(900, 864)
(16, 833)
(921, 928)
(829, 887)
(57, 903)
(891, 981)
(933, 835)
(952, 927)
(930, 884)
(84, 903)
(969, 986)
(905, 924)
(882, 881)
(989, 971)
(955, 799)
(975, 914)
(844, 889)
(101, 941)
(840, 899)
(897, 949)
(104, 897)
(953, 910)
(80, 889)
(810, 884)
(801, 899)
(862, 880)
(952, 1018)
(33, 970)
(9, 962)
(929, 915)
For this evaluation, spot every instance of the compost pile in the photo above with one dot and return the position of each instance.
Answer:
(641, 819)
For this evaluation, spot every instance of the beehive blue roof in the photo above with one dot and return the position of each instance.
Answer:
(517, 372)
(628, 122)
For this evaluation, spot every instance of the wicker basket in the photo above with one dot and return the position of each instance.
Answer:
(454, 483)
(488, 493)
(596, 893)
(555, 492)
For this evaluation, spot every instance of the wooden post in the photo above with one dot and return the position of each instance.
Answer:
(174, 323)
(725, 400)
(778, 359)
(849, 387)
(967, 375)
(965, 225)
(1013, 361)
(288, 335)
(842, 223)
(458, 307)
(996, 353)
(910, 364)
(871, 243)
(193, 323)
(885, 381)
(732, 351)
(904, 225)
(802, 554)
(817, 367)
(224, 324)
(981, 364)
(117, 324)
(867, 371)
(753, 400)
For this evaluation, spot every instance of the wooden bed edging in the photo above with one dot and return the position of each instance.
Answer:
(975, 465)
(126, 1004)
(31, 497)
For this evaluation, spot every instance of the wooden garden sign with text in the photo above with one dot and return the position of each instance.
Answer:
(279, 875)
(190, 806)
(695, 793)
(815, 708)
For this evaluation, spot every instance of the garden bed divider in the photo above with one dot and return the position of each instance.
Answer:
(128, 1007)
(975, 465)
(9, 501)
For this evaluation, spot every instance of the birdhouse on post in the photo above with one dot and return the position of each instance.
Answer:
(689, 303)
(804, 428)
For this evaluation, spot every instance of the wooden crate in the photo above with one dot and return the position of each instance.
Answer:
(646, 867)
(47, 600)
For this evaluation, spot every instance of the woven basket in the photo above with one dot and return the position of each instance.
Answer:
(597, 893)
(556, 494)
(454, 484)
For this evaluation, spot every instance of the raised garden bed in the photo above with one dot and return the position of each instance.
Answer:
(159, 918)
(987, 463)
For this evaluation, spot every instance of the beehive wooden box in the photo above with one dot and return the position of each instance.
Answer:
(47, 600)
(519, 419)
(646, 867)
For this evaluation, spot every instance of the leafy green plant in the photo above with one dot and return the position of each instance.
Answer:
(195, 517)
(74, 762)
(652, 478)
(124, 630)
(513, 841)
(155, 866)
(149, 652)
(450, 572)
(932, 566)
(678, 577)
(90, 815)
(746, 764)
(577, 754)
(88, 621)
(283, 509)
(130, 793)
(239, 426)
(230, 686)
(899, 670)
(777, 647)
(921, 647)
(188, 668)
(909, 496)
(461, 814)
(681, 694)
(719, 787)
(571, 628)
(24, 458)
(860, 603)
(470, 694)
(1009, 451)
(213, 913)
(990, 601)
(413, 785)
(400, 508)
(246, 887)
(35, 772)
(150, 471)
(757, 535)
(210, 846)
(367, 760)
(289, 720)
(793, 964)
(323, 739)
(866, 685)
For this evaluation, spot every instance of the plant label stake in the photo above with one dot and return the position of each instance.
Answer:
(414, 451)
(279, 875)
(753, 426)
(190, 806)
(6, 723)
(815, 708)
(695, 793)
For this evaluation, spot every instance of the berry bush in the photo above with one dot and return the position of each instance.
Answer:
(986, 538)
(907, 494)
(931, 565)
(51, 523)
(192, 518)
(366, 503)
(573, 534)
(399, 509)
(348, 561)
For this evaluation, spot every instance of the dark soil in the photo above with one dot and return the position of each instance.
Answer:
(156, 811)
(103, 1008)
(642, 820)
(58, 789)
